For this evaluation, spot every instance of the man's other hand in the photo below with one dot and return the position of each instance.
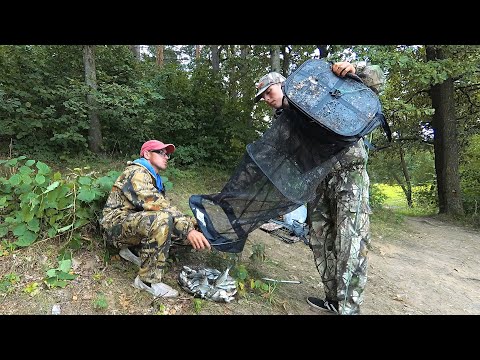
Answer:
(198, 240)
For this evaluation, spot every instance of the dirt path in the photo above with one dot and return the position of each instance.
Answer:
(431, 268)
(424, 267)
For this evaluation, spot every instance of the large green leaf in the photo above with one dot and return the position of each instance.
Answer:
(53, 282)
(3, 231)
(65, 265)
(26, 214)
(34, 225)
(25, 170)
(105, 183)
(66, 276)
(39, 179)
(51, 272)
(84, 180)
(26, 239)
(81, 222)
(51, 232)
(26, 179)
(15, 179)
(86, 195)
(20, 229)
(42, 168)
(12, 162)
(84, 213)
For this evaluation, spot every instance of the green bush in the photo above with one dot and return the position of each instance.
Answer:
(38, 203)
(377, 197)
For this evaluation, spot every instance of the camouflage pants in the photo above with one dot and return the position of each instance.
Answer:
(339, 230)
(153, 231)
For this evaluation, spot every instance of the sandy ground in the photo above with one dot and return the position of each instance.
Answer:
(431, 268)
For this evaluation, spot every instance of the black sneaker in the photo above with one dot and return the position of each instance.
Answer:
(317, 303)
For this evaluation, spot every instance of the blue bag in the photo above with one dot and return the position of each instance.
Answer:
(344, 106)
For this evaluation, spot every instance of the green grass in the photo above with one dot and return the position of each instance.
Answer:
(396, 200)
(395, 196)
(194, 182)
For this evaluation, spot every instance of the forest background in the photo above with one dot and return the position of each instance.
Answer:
(72, 115)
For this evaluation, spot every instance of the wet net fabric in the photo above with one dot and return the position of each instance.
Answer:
(277, 174)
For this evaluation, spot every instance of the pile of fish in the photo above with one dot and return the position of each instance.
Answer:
(208, 283)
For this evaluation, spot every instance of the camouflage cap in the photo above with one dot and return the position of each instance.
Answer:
(267, 80)
(372, 76)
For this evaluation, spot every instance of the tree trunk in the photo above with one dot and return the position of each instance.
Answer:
(232, 86)
(275, 58)
(408, 182)
(160, 57)
(94, 131)
(445, 142)
(197, 52)
(408, 195)
(323, 51)
(215, 58)
(135, 49)
(244, 51)
(286, 59)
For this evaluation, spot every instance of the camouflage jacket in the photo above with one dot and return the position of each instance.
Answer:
(133, 191)
(371, 75)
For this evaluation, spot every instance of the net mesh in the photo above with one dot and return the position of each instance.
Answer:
(277, 174)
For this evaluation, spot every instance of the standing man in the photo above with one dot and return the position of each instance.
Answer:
(338, 217)
(138, 217)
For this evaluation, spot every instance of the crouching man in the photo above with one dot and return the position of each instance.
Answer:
(139, 219)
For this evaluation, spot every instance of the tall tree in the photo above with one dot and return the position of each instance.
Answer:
(94, 131)
(160, 57)
(135, 49)
(215, 58)
(275, 58)
(286, 58)
(323, 51)
(445, 141)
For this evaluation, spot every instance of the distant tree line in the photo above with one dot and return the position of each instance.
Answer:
(65, 100)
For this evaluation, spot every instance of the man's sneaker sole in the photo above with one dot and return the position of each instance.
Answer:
(156, 289)
(127, 254)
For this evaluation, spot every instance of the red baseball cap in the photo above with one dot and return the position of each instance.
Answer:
(156, 145)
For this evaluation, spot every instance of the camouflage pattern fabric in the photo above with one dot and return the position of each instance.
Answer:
(265, 81)
(339, 219)
(371, 75)
(339, 230)
(136, 213)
